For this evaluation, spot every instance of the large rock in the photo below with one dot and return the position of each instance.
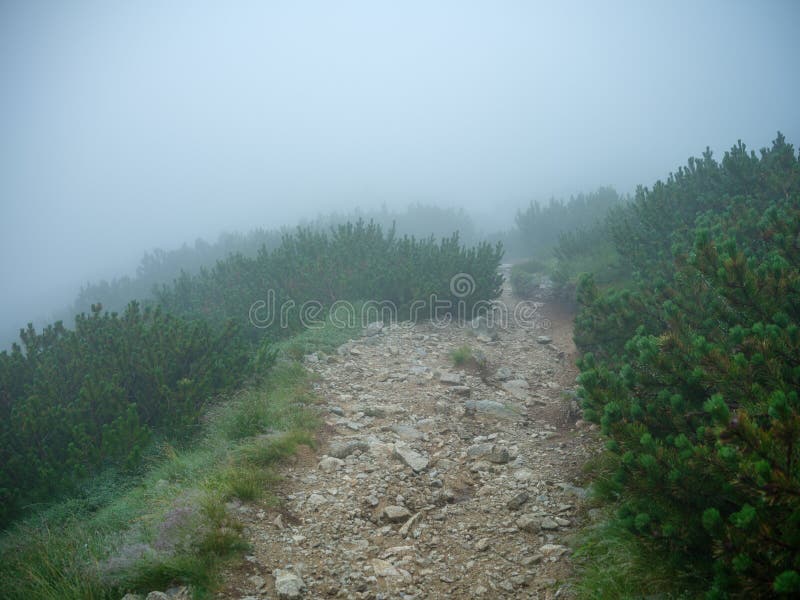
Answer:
(413, 459)
(287, 584)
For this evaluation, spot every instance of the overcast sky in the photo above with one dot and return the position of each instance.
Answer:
(129, 125)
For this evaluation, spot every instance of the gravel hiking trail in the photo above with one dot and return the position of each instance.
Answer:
(431, 480)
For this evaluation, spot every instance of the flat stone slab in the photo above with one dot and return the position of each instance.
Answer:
(490, 407)
(413, 459)
(449, 378)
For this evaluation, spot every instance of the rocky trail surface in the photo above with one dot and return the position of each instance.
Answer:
(431, 481)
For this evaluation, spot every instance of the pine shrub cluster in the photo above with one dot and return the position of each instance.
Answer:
(73, 401)
(693, 370)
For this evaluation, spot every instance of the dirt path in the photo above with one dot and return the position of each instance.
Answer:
(431, 482)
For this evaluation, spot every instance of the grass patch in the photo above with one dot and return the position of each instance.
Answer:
(611, 562)
(171, 525)
(461, 355)
(324, 339)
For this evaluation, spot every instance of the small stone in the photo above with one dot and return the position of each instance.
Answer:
(329, 464)
(506, 585)
(549, 523)
(343, 449)
(461, 390)
(479, 450)
(395, 514)
(529, 523)
(373, 328)
(482, 544)
(383, 568)
(499, 455)
(517, 501)
(316, 500)
(479, 591)
(518, 388)
(531, 560)
(544, 339)
(449, 378)
(524, 474)
(406, 528)
(257, 581)
(287, 584)
(553, 550)
(404, 432)
(503, 374)
(489, 407)
(157, 596)
(378, 412)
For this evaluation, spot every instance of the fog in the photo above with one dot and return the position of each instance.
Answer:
(132, 125)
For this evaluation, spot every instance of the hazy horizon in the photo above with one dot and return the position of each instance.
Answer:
(134, 126)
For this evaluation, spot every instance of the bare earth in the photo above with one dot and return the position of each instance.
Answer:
(421, 488)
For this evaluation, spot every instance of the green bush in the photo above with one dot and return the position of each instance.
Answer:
(75, 401)
(694, 372)
(461, 355)
(540, 225)
(353, 262)
(169, 525)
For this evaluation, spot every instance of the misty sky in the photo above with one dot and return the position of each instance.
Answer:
(129, 125)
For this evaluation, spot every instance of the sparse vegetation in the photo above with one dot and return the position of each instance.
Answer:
(461, 355)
